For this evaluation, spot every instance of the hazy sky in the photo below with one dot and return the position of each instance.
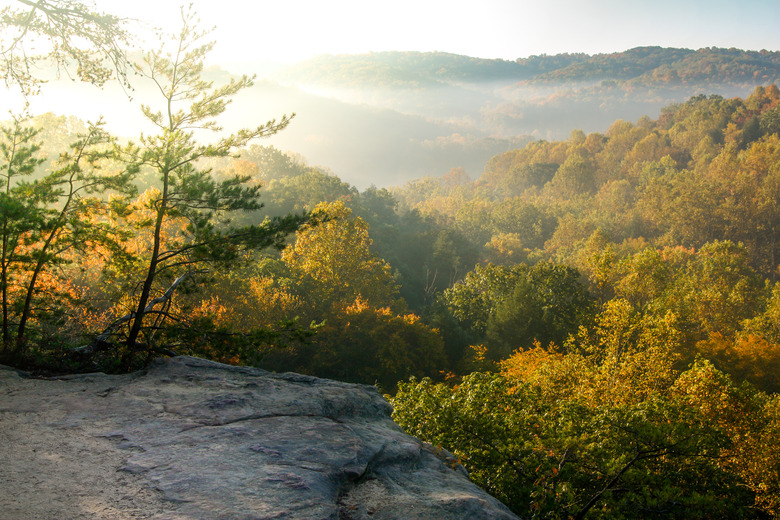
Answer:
(289, 30)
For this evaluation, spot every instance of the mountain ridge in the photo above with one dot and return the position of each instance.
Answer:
(649, 63)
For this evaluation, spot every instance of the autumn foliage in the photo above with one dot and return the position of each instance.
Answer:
(591, 326)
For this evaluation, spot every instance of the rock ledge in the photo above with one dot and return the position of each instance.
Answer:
(193, 439)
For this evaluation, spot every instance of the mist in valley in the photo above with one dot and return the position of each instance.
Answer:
(384, 119)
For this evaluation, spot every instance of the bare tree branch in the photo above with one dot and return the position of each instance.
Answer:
(76, 37)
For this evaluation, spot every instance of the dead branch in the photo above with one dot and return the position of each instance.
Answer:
(102, 341)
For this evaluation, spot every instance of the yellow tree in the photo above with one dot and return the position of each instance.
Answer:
(332, 257)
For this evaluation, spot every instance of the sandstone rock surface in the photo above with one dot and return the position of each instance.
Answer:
(193, 439)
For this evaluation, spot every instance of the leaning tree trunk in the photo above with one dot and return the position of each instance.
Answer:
(146, 290)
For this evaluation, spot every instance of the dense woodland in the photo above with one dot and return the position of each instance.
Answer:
(592, 326)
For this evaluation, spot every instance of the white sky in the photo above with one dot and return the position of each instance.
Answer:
(292, 30)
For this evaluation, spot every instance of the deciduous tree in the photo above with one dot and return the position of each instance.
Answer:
(332, 257)
(78, 39)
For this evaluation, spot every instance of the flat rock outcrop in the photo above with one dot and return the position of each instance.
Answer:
(193, 439)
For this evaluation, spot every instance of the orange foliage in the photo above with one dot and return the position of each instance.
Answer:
(750, 358)
(526, 364)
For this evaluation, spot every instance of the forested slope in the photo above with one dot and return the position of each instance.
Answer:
(592, 326)
(632, 307)
(602, 311)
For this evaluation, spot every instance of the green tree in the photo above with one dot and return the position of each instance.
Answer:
(474, 299)
(563, 458)
(511, 307)
(186, 192)
(19, 214)
(45, 221)
(546, 305)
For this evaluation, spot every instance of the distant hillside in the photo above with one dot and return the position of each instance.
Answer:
(704, 170)
(399, 69)
(477, 105)
(657, 66)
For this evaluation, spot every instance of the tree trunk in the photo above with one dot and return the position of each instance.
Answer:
(137, 324)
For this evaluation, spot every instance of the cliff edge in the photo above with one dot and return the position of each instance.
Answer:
(194, 439)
